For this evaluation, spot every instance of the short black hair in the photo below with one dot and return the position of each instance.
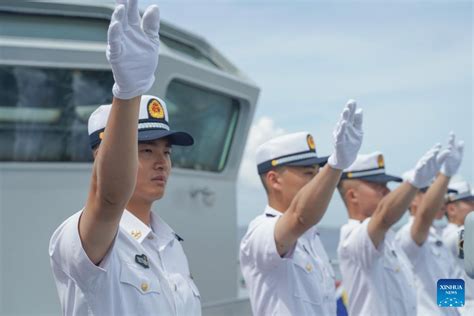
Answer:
(264, 175)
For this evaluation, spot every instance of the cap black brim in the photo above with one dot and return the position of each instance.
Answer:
(380, 178)
(321, 161)
(449, 190)
(467, 198)
(176, 138)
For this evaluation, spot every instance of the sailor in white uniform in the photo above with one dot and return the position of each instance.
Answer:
(459, 204)
(376, 273)
(421, 242)
(115, 257)
(282, 259)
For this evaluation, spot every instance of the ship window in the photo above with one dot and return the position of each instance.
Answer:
(44, 112)
(188, 51)
(75, 28)
(210, 117)
(53, 27)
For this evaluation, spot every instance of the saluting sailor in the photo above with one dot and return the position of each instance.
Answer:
(423, 244)
(459, 204)
(375, 271)
(115, 256)
(282, 259)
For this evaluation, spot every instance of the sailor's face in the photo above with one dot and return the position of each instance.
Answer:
(441, 212)
(154, 166)
(294, 178)
(369, 195)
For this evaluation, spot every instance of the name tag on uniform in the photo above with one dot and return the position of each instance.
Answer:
(142, 260)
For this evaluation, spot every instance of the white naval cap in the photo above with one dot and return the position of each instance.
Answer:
(369, 167)
(153, 123)
(462, 191)
(296, 149)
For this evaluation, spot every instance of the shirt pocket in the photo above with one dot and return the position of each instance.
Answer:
(142, 280)
(194, 289)
(308, 279)
(186, 293)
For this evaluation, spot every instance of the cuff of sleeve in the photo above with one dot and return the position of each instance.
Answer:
(412, 249)
(69, 255)
(377, 251)
(272, 257)
(260, 248)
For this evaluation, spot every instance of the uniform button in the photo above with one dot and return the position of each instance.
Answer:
(397, 269)
(144, 286)
(309, 267)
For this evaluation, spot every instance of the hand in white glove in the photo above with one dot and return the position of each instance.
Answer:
(132, 49)
(348, 136)
(427, 167)
(454, 159)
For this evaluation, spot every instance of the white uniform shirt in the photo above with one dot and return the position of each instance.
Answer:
(301, 283)
(451, 240)
(379, 280)
(431, 262)
(124, 284)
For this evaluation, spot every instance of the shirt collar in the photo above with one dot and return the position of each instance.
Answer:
(352, 221)
(163, 231)
(452, 226)
(139, 231)
(271, 211)
(134, 227)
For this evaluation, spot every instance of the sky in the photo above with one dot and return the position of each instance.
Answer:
(409, 65)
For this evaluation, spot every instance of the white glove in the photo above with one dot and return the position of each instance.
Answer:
(453, 161)
(347, 137)
(427, 167)
(132, 50)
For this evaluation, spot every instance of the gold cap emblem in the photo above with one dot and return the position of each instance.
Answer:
(155, 109)
(274, 162)
(310, 141)
(380, 161)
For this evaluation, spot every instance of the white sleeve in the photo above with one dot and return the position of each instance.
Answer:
(67, 254)
(451, 240)
(411, 249)
(358, 246)
(258, 247)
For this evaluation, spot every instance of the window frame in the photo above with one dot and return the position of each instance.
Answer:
(229, 141)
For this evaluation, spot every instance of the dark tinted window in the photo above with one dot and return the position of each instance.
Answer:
(44, 112)
(210, 117)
